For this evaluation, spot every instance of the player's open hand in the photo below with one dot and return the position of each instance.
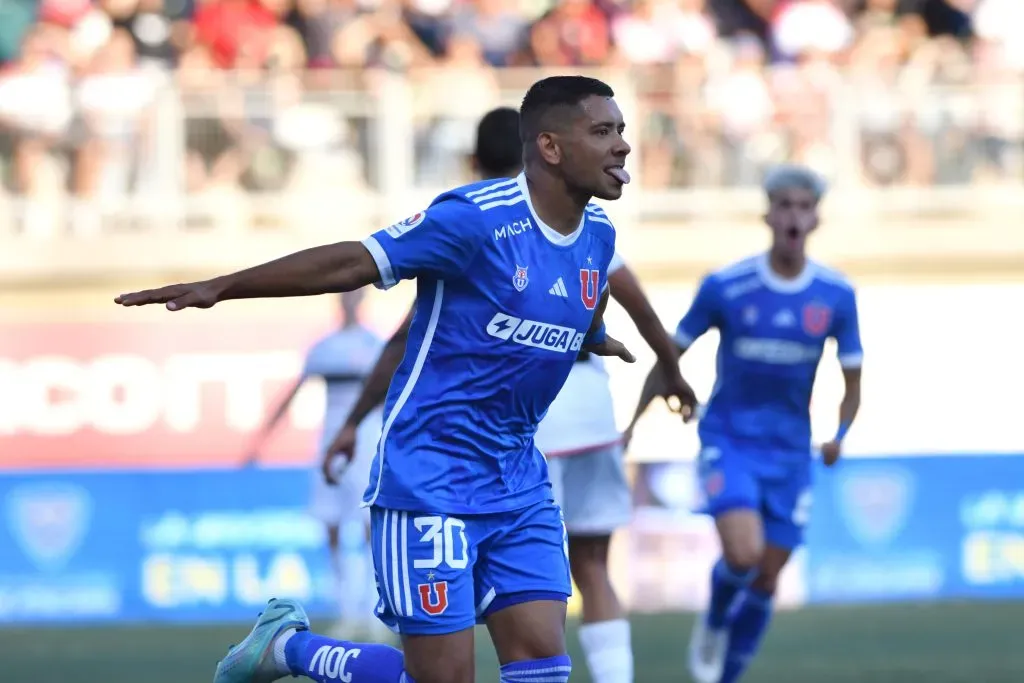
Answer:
(830, 452)
(339, 454)
(190, 295)
(611, 347)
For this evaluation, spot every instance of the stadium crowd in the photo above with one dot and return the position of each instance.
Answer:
(932, 88)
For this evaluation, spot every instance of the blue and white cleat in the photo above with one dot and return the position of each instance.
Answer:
(252, 660)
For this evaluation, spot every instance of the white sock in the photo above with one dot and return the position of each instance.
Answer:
(279, 658)
(608, 650)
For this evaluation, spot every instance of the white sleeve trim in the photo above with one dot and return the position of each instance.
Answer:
(380, 257)
(851, 361)
(616, 263)
(682, 339)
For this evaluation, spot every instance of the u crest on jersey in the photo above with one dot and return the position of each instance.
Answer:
(589, 280)
(433, 597)
(519, 280)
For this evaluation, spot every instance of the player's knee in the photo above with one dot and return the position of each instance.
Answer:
(550, 669)
(440, 659)
(743, 556)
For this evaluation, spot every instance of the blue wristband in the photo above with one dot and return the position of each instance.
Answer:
(597, 336)
(841, 432)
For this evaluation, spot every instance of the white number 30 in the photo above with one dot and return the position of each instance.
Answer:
(441, 532)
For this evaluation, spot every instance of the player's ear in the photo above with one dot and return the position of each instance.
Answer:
(548, 148)
(474, 163)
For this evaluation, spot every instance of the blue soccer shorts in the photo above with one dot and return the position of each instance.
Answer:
(775, 484)
(439, 573)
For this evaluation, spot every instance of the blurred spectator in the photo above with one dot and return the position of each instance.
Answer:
(281, 94)
(574, 33)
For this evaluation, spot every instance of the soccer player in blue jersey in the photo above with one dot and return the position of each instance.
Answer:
(578, 436)
(773, 313)
(464, 526)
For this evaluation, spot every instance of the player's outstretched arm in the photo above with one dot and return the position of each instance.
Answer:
(340, 267)
(374, 391)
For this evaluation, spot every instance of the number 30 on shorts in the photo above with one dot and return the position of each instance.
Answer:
(441, 532)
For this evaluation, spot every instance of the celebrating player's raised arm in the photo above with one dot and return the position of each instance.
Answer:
(846, 332)
(339, 267)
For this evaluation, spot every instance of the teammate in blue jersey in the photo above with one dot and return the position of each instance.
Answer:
(464, 526)
(773, 313)
(342, 359)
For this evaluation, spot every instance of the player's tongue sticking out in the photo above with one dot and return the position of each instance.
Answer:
(619, 174)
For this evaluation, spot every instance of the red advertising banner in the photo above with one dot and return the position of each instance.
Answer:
(142, 395)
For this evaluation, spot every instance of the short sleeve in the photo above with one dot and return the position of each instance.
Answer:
(702, 316)
(439, 242)
(616, 262)
(846, 331)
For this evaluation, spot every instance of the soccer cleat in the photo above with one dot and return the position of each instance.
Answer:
(252, 660)
(707, 651)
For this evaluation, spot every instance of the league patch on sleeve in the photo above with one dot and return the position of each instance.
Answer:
(404, 226)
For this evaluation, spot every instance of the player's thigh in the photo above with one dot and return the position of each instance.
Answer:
(523, 584)
(730, 491)
(423, 566)
(786, 507)
(597, 498)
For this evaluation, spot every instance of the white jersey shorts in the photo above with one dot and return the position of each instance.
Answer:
(593, 491)
(337, 505)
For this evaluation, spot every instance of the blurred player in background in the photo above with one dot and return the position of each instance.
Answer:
(342, 359)
(464, 525)
(773, 312)
(578, 435)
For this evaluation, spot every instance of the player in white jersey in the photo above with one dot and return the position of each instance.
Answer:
(578, 435)
(342, 360)
(584, 449)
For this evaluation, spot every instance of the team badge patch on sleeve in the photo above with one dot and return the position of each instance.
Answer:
(404, 226)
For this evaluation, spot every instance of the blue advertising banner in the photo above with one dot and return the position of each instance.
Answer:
(188, 546)
(215, 545)
(918, 528)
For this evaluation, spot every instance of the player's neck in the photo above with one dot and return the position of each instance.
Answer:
(554, 203)
(787, 266)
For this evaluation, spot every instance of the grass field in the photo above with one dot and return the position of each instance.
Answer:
(931, 643)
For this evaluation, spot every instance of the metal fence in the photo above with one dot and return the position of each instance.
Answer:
(232, 151)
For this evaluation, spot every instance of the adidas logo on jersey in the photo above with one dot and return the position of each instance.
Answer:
(558, 289)
(535, 333)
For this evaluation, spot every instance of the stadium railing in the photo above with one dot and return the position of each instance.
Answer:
(195, 162)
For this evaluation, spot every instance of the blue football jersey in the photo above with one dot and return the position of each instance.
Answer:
(772, 333)
(503, 303)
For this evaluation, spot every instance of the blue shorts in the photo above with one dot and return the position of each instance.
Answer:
(439, 573)
(777, 485)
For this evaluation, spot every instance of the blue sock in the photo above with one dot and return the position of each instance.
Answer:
(746, 632)
(726, 584)
(550, 670)
(325, 660)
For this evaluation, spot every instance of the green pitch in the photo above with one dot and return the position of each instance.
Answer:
(931, 643)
